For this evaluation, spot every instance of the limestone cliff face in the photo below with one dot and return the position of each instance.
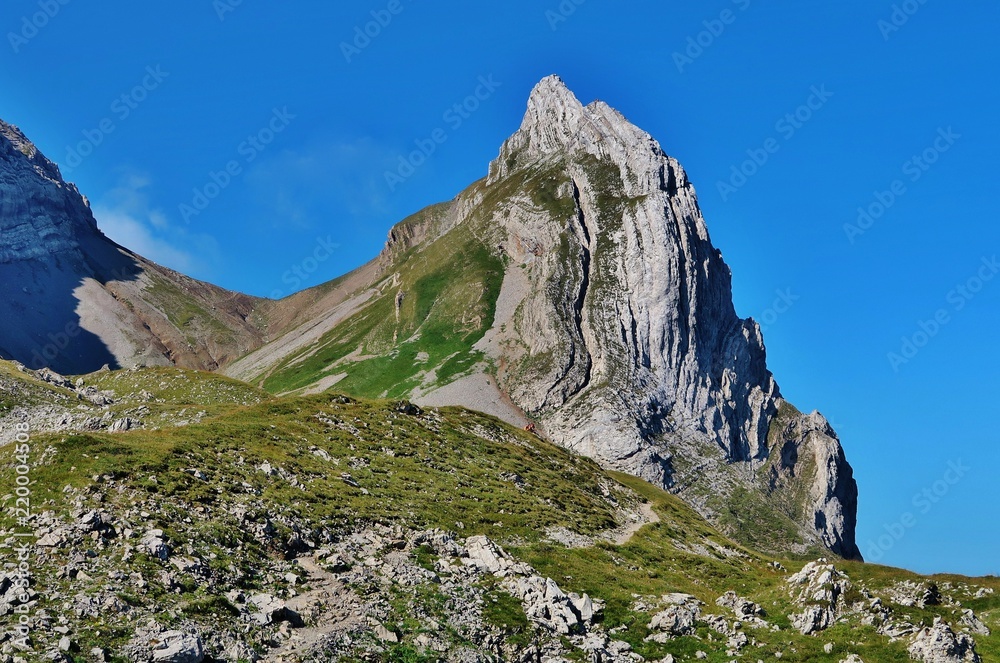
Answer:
(40, 214)
(646, 296)
(616, 327)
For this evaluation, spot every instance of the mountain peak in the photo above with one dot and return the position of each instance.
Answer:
(12, 141)
(551, 97)
(551, 84)
(553, 118)
(73, 300)
(556, 122)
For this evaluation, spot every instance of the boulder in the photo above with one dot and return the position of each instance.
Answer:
(272, 610)
(154, 544)
(546, 604)
(940, 644)
(676, 620)
(819, 587)
(177, 647)
(485, 555)
(744, 609)
(930, 595)
(385, 635)
(973, 623)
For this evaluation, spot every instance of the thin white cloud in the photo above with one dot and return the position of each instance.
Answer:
(132, 233)
(126, 215)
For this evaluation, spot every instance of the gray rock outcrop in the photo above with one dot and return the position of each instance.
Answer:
(177, 647)
(974, 623)
(616, 327)
(940, 644)
(678, 618)
(820, 588)
(744, 609)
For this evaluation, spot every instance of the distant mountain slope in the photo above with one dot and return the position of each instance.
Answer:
(73, 300)
(117, 401)
(576, 287)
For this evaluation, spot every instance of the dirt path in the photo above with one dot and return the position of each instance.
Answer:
(337, 607)
(648, 516)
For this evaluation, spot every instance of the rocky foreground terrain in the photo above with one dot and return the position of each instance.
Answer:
(326, 528)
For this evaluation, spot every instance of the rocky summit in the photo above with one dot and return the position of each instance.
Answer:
(532, 429)
(583, 296)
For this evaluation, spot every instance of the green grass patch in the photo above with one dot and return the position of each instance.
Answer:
(421, 330)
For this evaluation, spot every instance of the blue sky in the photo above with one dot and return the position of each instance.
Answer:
(788, 115)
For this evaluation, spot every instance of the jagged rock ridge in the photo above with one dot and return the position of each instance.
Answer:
(646, 357)
(40, 215)
(613, 327)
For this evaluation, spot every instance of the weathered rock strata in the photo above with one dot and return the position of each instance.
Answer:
(622, 338)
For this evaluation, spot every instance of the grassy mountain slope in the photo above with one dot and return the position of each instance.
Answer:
(151, 398)
(262, 482)
(419, 324)
(434, 300)
(431, 306)
(23, 390)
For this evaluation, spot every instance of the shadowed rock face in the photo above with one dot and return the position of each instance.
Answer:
(40, 215)
(45, 226)
(73, 300)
